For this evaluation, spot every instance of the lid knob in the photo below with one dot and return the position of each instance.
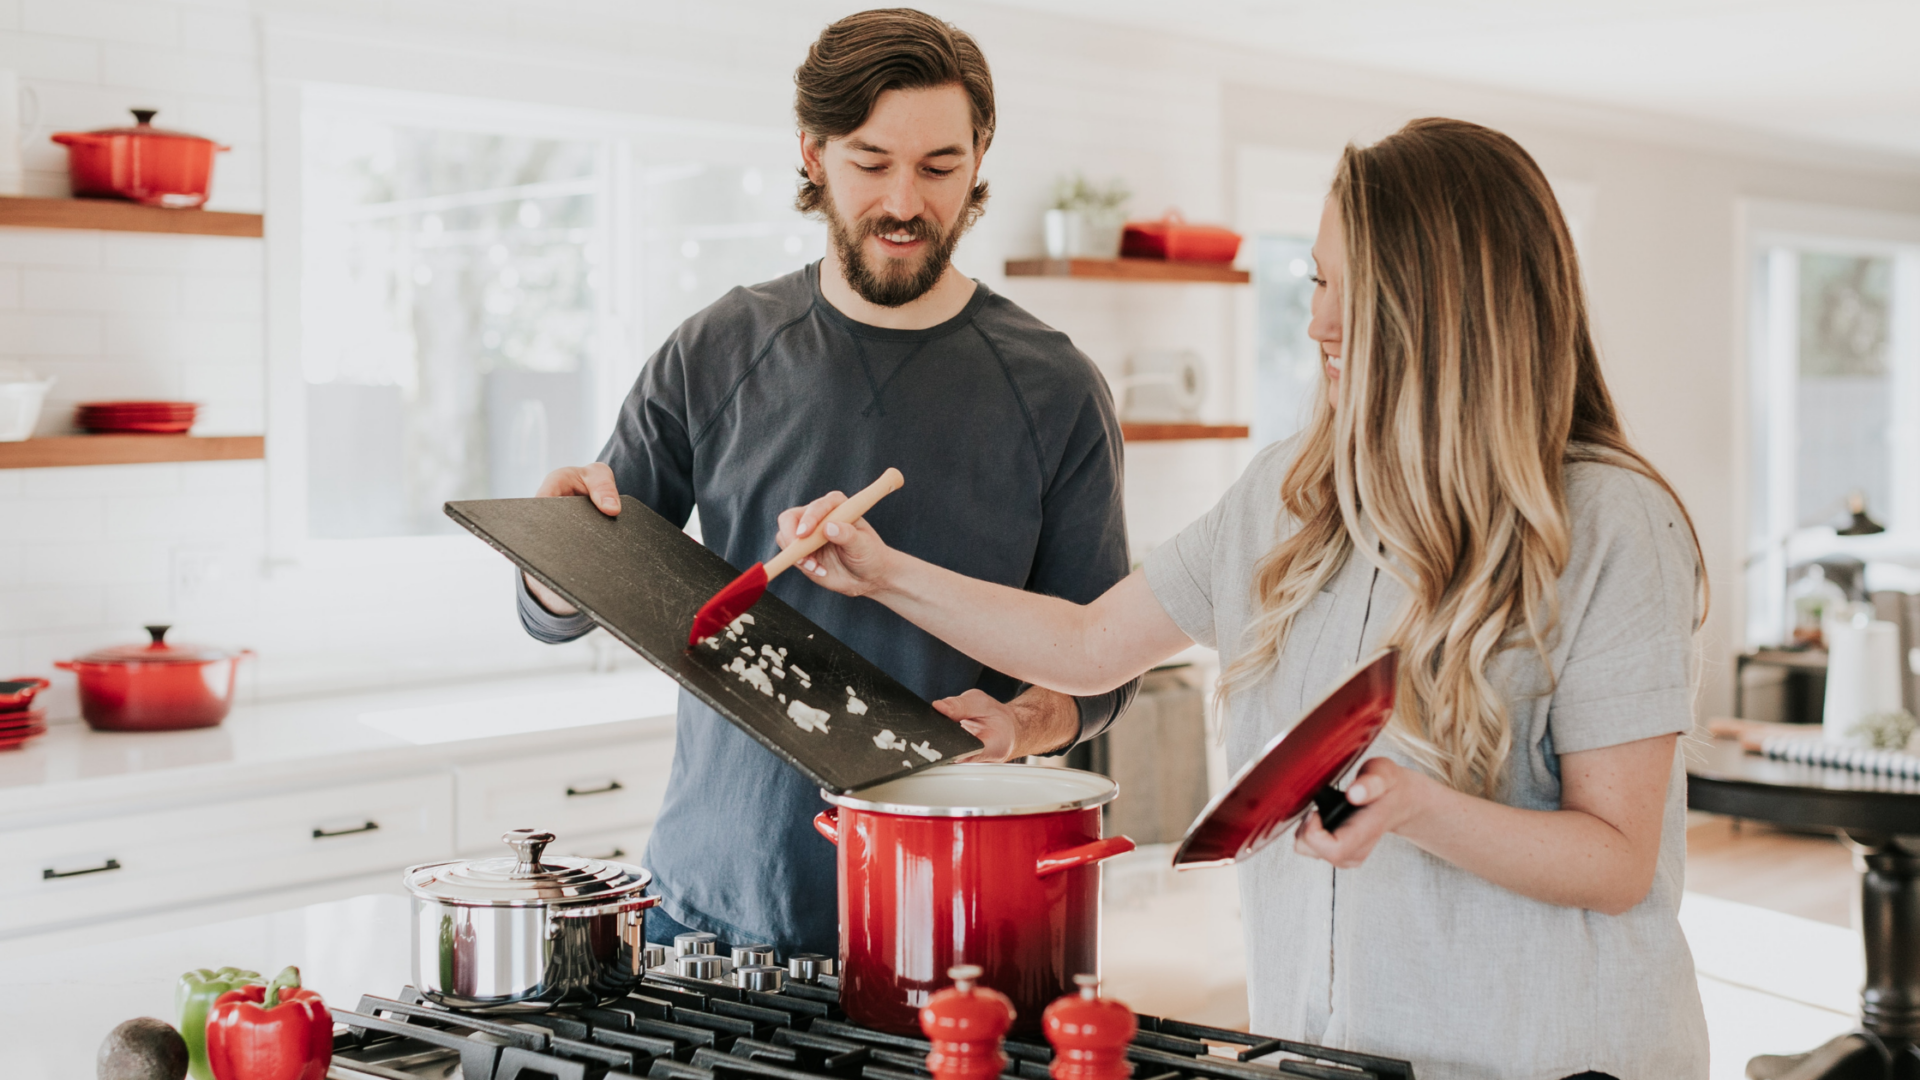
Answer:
(528, 845)
(966, 1024)
(158, 632)
(1089, 1034)
(143, 117)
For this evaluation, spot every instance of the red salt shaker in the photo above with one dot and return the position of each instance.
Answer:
(1089, 1034)
(966, 1024)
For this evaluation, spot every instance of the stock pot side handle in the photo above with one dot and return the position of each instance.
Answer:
(1084, 855)
(827, 824)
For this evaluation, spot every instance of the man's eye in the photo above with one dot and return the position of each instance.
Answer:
(870, 168)
(939, 172)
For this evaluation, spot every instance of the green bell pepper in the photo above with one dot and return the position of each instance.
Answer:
(192, 1000)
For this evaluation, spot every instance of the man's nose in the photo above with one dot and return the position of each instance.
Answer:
(903, 199)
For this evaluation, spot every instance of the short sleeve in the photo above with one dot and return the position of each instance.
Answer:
(1180, 573)
(1630, 599)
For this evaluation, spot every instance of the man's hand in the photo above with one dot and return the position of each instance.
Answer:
(594, 481)
(1036, 722)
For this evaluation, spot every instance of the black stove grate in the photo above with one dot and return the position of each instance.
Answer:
(674, 1028)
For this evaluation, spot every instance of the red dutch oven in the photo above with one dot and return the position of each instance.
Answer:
(157, 686)
(991, 865)
(144, 163)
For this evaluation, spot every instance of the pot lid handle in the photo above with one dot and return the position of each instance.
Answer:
(528, 845)
(158, 631)
(143, 117)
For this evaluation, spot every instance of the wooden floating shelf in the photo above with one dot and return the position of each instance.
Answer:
(117, 216)
(1176, 432)
(1129, 270)
(64, 450)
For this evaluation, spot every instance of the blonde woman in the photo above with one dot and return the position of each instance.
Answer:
(1504, 902)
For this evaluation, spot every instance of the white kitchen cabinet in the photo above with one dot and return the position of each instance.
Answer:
(141, 861)
(578, 793)
(619, 845)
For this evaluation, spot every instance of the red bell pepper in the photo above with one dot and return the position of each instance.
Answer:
(272, 1032)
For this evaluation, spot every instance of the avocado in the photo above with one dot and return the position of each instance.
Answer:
(143, 1049)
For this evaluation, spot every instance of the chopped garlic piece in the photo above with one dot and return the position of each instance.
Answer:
(887, 740)
(808, 717)
(926, 750)
(854, 704)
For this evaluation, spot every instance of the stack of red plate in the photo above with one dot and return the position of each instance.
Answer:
(18, 720)
(149, 417)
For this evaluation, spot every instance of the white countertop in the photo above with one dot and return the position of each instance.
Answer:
(365, 734)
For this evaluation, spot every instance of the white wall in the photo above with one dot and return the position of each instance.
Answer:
(87, 554)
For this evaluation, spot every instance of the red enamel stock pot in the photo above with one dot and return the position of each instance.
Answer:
(991, 865)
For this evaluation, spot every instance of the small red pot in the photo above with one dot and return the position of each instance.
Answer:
(157, 686)
(992, 865)
(144, 163)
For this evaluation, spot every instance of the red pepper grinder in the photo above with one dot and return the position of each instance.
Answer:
(965, 1024)
(1089, 1034)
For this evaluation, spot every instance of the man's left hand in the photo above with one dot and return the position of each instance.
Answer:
(1036, 722)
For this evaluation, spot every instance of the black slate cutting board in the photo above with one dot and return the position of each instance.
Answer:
(642, 579)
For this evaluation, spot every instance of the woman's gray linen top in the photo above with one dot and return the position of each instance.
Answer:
(1408, 955)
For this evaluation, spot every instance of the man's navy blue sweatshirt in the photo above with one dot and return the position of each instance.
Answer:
(772, 397)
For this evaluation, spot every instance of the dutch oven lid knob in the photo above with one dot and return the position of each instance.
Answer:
(143, 117)
(158, 632)
(528, 845)
(965, 1024)
(1089, 1033)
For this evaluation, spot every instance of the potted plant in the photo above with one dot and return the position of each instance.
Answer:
(1086, 219)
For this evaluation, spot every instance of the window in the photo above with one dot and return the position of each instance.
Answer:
(477, 302)
(1286, 364)
(1834, 398)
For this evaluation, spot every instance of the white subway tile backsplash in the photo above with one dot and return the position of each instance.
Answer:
(182, 517)
(146, 67)
(149, 23)
(25, 333)
(12, 569)
(102, 291)
(203, 30)
(139, 604)
(10, 14)
(43, 56)
(50, 247)
(222, 294)
(9, 287)
(198, 340)
(95, 480)
(224, 478)
(105, 380)
(143, 251)
(64, 608)
(98, 563)
(53, 521)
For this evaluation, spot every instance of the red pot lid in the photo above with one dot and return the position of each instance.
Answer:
(143, 126)
(157, 651)
(1274, 790)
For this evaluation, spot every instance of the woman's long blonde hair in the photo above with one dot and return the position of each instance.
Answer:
(1471, 380)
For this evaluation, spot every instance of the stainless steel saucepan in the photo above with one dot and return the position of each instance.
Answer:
(523, 932)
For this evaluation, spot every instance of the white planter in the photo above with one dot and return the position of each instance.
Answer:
(20, 408)
(1083, 234)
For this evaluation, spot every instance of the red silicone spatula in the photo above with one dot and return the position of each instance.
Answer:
(744, 591)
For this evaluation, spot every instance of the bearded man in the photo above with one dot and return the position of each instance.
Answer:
(880, 354)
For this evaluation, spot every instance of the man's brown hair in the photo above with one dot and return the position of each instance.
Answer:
(863, 56)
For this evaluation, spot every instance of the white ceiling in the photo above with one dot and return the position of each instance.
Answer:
(1843, 71)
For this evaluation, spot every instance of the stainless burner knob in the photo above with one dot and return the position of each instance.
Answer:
(700, 966)
(653, 956)
(753, 956)
(807, 967)
(695, 943)
(762, 977)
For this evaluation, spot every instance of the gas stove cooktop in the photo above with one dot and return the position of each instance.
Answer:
(678, 1028)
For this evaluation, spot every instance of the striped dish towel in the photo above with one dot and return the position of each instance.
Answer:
(1837, 755)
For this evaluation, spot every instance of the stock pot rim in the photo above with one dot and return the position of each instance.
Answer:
(981, 790)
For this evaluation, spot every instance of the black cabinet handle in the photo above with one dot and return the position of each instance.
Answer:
(50, 873)
(611, 785)
(323, 834)
(616, 853)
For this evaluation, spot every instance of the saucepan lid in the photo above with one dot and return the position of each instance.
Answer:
(528, 877)
(981, 790)
(1273, 791)
(158, 650)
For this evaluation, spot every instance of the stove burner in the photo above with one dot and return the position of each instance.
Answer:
(677, 1028)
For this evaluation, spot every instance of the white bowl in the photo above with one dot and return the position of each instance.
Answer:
(20, 408)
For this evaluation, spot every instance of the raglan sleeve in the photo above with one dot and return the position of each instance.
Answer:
(651, 455)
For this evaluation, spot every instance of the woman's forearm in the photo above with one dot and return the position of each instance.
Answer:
(1567, 857)
(1044, 640)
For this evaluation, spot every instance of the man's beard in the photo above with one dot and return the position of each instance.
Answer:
(893, 283)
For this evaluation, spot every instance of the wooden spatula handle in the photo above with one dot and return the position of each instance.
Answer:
(845, 514)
